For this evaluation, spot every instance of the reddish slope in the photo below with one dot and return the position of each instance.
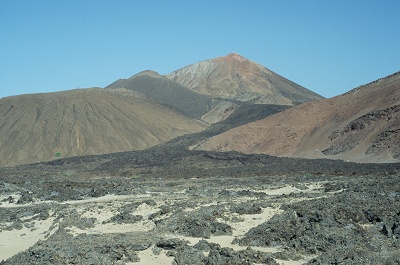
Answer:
(236, 77)
(362, 125)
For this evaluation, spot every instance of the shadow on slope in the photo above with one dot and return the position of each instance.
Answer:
(167, 92)
(244, 114)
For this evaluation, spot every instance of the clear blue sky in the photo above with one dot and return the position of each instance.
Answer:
(328, 46)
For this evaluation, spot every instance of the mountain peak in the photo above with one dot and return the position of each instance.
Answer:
(150, 73)
(235, 77)
(232, 57)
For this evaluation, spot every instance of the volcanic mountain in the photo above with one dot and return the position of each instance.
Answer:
(214, 89)
(42, 127)
(361, 125)
(167, 92)
(237, 78)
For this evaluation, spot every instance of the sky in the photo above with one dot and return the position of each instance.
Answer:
(326, 46)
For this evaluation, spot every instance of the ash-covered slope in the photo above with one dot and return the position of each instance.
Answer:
(41, 127)
(235, 77)
(167, 92)
(362, 125)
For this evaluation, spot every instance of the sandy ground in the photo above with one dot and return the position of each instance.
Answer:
(149, 258)
(106, 212)
(103, 208)
(15, 241)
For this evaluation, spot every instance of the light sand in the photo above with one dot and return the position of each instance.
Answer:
(251, 220)
(5, 204)
(102, 199)
(147, 257)
(295, 262)
(15, 241)
(105, 213)
(109, 228)
(107, 198)
(240, 228)
(311, 188)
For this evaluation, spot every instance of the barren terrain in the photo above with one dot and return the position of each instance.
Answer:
(128, 176)
(170, 205)
(142, 111)
(167, 92)
(235, 77)
(361, 125)
(61, 217)
(43, 127)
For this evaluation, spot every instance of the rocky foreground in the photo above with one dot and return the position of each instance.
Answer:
(138, 219)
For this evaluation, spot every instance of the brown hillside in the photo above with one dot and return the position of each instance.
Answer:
(42, 127)
(235, 77)
(362, 125)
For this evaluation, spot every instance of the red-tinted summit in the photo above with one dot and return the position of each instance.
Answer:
(235, 77)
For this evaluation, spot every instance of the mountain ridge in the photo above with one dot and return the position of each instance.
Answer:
(136, 113)
(250, 85)
(360, 125)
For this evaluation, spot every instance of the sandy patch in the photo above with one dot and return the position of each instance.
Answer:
(191, 209)
(102, 209)
(147, 257)
(100, 214)
(104, 213)
(250, 220)
(4, 200)
(239, 229)
(146, 210)
(312, 187)
(106, 198)
(15, 241)
(226, 241)
(102, 199)
(141, 226)
(295, 262)
(108, 210)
